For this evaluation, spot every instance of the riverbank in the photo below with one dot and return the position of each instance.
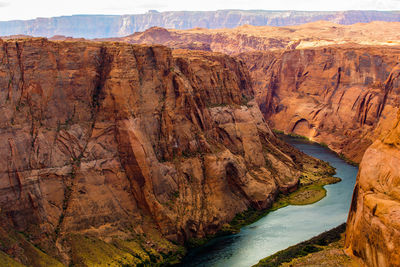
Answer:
(325, 249)
(282, 135)
(310, 190)
(286, 226)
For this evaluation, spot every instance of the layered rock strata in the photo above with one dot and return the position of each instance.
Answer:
(105, 144)
(343, 96)
(333, 85)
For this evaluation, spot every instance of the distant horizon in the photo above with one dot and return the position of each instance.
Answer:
(91, 26)
(27, 10)
(228, 9)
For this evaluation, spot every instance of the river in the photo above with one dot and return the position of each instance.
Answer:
(285, 227)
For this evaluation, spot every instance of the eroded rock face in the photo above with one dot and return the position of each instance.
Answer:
(114, 140)
(373, 227)
(343, 96)
(346, 96)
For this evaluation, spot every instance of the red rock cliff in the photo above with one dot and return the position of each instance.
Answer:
(373, 231)
(344, 96)
(114, 140)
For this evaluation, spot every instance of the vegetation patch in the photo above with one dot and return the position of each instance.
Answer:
(311, 189)
(22, 249)
(36, 257)
(310, 192)
(90, 251)
(133, 248)
(281, 134)
(293, 135)
(348, 161)
(87, 251)
(198, 242)
(278, 132)
(302, 249)
(245, 100)
(307, 194)
(5, 260)
(298, 136)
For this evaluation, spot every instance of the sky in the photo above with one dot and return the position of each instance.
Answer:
(29, 9)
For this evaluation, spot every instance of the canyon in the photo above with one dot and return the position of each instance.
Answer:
(334, 84)
(121, 150)
(119, 154)
(373, 233)
(106, 26)
(342, 96)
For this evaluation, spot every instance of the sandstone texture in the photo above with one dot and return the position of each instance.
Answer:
(124, 148)
(110, 149)
(332, 83)
(343, 96)
(373, 232)
(337, 85)
(106, 26)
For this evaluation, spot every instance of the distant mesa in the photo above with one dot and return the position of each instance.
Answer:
(16, 36)
(108, 26)
(65, 38)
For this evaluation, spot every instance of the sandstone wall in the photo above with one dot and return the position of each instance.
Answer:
(332, 83)
(344, 96)
(373, 229)
(115, 140)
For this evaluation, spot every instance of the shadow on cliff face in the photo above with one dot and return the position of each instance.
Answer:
(342, 96)
(330, 86)
(113, 150)
(373, 231)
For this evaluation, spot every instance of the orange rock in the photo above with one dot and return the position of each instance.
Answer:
(373, 232)
(335, 84)
(343, 96)
(111, 139)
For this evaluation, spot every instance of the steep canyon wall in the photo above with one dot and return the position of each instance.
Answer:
(117, 142)
(373, 232)
(305, 82)
(343, 92)
(344, 96)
